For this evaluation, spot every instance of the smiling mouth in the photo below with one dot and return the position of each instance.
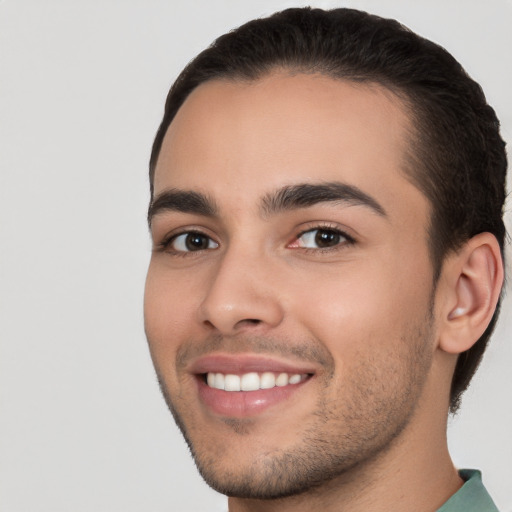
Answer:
(245, 385)
(252, 381)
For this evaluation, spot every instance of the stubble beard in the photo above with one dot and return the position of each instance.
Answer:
(343, 435)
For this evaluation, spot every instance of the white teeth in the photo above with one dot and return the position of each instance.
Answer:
(282, 380)
(294, 379)
(267, 380)
(219, 381)
(251, 381)
(232, 383)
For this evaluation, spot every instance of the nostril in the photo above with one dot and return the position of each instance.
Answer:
(249, 321)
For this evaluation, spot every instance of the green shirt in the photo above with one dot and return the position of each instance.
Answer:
(471, 497)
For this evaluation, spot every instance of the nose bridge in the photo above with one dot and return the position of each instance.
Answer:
(240, 292)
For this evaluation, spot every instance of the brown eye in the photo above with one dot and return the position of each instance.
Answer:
(321, 239)
(327, 238)
(191, 242)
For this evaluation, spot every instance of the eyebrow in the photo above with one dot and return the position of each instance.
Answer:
(305, 195)
(287, 198)
(184, 201)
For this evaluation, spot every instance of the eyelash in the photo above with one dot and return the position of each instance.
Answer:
(348, 240)
(164, 246)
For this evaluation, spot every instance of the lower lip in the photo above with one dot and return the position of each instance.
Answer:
(241, 404)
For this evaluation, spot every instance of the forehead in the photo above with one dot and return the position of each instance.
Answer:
(245, 138)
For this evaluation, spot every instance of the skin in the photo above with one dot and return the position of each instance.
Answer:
(362, 315)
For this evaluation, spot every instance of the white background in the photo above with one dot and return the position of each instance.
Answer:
(82, 86)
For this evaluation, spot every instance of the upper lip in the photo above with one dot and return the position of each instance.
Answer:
(245, 363)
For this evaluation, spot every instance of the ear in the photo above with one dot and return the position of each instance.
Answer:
(471, 284)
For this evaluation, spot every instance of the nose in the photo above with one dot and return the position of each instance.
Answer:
(241, 295)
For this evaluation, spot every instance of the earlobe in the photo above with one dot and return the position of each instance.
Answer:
(475, 281)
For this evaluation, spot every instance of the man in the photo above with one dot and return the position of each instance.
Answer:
(327, 192)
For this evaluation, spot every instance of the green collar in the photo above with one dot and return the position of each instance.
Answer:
(471, 497)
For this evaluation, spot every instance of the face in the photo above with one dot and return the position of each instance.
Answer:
(288, 298)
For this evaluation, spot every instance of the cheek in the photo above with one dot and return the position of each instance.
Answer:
(167, 312)
(366, 306)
